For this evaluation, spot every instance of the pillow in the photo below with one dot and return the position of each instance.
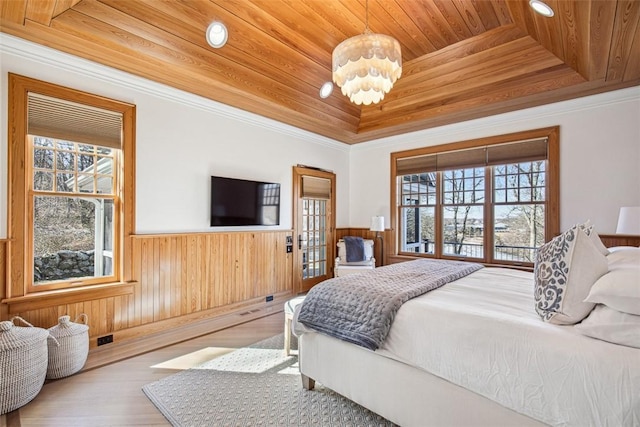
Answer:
(595, 238)
(607, 324)
(621, 256)
(618, 289)
(564, 271)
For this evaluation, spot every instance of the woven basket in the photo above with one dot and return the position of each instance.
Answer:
(23, 363)
(69, 354)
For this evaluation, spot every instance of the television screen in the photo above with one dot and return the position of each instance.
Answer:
(244, 202)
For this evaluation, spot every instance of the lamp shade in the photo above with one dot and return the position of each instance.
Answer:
(629, 220)
(377, 223)
(366, 66)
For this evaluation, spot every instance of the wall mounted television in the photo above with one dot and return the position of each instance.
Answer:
(236, 202)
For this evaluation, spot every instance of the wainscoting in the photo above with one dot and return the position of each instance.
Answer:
(179, 279)
(189, 284)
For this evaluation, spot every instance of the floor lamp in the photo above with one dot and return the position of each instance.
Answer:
(377, 225)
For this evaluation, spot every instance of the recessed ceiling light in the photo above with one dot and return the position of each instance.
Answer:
(541, 7)
(326, 89)
(217, 34)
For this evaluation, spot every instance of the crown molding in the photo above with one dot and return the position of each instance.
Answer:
(491, 125)
(21, 48)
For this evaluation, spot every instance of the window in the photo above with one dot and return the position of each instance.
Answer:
(491, 200)
(73, 203)
(71, 171)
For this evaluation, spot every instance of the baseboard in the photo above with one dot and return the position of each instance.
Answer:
(144, 339)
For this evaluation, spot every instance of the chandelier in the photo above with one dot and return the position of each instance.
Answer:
(366, 66)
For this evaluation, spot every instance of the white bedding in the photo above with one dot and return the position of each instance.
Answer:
(548, 372)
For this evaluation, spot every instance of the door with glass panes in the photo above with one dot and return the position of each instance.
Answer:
(314, 206)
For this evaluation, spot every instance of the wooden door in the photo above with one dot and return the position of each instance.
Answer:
(314, 226)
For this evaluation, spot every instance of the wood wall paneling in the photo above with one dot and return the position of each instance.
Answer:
(178, 277)
(4, 311)
(611, 240)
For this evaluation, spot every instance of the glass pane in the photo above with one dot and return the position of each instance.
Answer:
(42, 159)
(65, 182)
(43, 181)
(419, 230)
(105, 165)
(42, 142)
(66, 161)
(418, 189)
(314, 224)
(519, 231)
(64, 145)
(463, 231)
(83, 148)
(522, 182)
(104, 151)
(105, 186)
(85, 162)
(85, 183)
(72, 238)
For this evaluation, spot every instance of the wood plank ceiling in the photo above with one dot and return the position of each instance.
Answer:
(462, 59)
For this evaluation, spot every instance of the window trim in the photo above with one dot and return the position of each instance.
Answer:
(552, 188)
(19, 282)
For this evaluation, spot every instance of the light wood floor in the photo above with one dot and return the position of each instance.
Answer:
(112, 395)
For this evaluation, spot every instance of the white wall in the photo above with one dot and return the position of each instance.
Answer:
(181, 141)
(599, 157)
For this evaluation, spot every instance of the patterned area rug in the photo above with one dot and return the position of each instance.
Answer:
(253, 386)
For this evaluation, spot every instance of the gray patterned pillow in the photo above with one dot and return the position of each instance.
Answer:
(564, 271)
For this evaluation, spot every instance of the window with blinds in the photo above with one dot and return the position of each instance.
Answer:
(74, 194)
(78, 171)
(490, 200)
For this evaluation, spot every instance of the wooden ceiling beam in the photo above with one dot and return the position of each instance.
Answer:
(40, 11)
(12, 12)
(624, 46)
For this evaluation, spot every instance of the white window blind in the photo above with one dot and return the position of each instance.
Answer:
(70, 121)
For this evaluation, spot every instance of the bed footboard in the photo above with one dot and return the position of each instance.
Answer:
(403, 394)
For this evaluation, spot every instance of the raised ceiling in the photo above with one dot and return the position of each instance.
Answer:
(463, 59)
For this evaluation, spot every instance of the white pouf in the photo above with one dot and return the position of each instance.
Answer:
(289, 309)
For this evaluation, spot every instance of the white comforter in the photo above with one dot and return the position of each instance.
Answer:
(548, 372)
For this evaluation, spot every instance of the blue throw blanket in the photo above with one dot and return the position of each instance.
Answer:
(354, 246)
(360, 308)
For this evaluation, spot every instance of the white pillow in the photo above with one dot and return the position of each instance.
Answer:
(623, 256)
(607, 324)
(618, 289)
(564, 271)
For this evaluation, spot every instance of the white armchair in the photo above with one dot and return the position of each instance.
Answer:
(342, 267)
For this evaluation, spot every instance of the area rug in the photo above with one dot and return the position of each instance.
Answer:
(254, 386)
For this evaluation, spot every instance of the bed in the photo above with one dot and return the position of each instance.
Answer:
(478, 351)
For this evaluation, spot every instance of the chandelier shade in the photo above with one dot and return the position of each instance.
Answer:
(366, 66)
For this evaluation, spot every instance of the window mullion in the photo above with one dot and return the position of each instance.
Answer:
(489, 214)
(439, 213)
